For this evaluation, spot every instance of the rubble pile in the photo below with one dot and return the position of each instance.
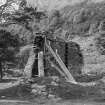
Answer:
(55, 87)
(45, 86)
(39, 86)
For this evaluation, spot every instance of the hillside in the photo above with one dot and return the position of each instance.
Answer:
(85, 24)
(56, 4)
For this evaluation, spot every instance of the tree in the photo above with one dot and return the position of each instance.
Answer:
(8, 48)
(24, 16)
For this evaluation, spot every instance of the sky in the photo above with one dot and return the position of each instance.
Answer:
(52, 4)
(2, 2)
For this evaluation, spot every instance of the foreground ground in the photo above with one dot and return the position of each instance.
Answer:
(12, 102)
(9, 95)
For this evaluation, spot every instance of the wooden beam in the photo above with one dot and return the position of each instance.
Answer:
(62, 65)
(40, 64)
(57, 68)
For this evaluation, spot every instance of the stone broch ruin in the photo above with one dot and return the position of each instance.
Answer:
(83, 54)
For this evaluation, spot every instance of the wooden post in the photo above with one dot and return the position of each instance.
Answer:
(40, 64)
(39, 49)
(66, 54)
(1, 72)
(41, 58)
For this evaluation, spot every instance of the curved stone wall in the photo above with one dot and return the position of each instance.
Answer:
(93, 60)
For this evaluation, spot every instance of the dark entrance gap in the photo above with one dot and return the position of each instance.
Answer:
(38, 46)
(72, 56)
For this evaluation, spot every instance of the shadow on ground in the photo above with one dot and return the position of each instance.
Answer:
(7, 80)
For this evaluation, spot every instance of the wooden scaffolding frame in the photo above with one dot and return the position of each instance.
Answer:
(63, 71)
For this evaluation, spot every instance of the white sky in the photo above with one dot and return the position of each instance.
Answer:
(2, 2)
(51, 4)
